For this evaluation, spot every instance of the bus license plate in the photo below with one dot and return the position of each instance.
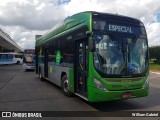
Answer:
(126, 95)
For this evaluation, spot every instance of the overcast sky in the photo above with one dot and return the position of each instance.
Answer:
(23, 19)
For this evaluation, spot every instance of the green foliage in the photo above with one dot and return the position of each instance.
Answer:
(155, 54)
(154, 66)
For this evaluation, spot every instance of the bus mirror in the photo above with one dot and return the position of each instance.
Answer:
(92, 47)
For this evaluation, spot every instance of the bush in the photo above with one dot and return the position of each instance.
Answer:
(154, 53)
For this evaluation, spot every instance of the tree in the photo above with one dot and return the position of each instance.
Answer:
(154, 53)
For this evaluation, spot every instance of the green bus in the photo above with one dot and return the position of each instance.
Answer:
(96, 56)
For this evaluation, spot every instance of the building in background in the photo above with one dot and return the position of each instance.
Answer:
(7, 44)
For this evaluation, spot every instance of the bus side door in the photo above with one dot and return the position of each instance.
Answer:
(81, 67)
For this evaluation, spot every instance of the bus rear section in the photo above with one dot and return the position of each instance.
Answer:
(28, 59)
(18, 58)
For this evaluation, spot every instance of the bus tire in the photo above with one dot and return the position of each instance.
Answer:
(40, 76)
(65, 86)
(18, 62)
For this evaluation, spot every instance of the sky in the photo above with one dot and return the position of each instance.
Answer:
(23, 19)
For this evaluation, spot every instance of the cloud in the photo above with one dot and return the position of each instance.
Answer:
(22, 19)
(132, 8)
(23, 37)
(34, 16)
(153, 33)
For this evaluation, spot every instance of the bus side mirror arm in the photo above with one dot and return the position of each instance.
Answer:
(91, 42)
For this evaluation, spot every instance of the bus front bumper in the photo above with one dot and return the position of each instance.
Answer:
(28, 67)
(101, 96)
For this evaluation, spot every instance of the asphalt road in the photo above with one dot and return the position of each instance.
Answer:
(23, 91)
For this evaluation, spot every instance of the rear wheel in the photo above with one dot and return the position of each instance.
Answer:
(65, 86)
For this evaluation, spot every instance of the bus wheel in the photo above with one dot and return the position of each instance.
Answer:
(18, 62)
(65, 86)
(40, 75)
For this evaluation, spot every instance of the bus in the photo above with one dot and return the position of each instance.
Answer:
(28, 59)
(11, 58)
(96, 56)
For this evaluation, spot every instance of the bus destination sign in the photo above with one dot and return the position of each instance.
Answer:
(118, 28)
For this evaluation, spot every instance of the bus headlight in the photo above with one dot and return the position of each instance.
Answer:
(146, 84)
(98, 84)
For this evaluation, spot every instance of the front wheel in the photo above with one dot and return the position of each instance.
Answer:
(65, 86)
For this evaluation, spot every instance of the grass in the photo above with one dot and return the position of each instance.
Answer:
(154, 66)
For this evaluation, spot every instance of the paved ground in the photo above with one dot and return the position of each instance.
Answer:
(23, 91)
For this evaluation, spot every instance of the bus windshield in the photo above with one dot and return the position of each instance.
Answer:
(28, 57)
(120, 55)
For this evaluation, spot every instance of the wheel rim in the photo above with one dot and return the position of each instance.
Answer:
(66, 85)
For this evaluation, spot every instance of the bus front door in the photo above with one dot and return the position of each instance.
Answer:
(81, 67)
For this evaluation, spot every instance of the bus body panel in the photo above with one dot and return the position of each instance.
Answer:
(71, 80)
(10, 58)
(96, 95)
(18, 60)
(56, 73)
(113, 87)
